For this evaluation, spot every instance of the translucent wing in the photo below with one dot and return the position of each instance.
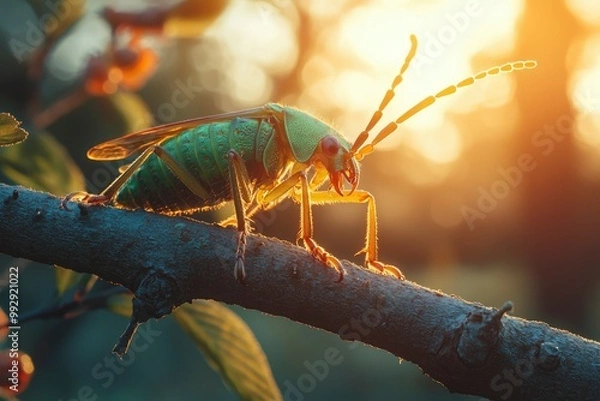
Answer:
(120, 148)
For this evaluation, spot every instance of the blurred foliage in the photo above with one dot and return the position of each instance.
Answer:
(65, 279)
(230, 347)
(10, 133)
(40, 163)
(120, 304)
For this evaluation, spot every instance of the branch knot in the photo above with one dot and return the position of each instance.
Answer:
(480, 334)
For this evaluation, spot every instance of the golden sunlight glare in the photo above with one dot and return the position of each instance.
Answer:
(449, 34)
(587, 10)
(585, 86)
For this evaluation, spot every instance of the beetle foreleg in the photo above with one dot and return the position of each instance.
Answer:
(306, 230)
(370, 249)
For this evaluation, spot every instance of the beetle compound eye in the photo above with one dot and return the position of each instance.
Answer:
(330, 145)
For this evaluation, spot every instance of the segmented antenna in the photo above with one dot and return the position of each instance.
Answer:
(426, 102)
(389, 95)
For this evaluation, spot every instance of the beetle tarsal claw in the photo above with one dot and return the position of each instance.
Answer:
(83, 197)
(383, 268)
(239, 270)
(324, 257)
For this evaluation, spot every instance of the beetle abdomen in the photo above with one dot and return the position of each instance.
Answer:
(203, 152)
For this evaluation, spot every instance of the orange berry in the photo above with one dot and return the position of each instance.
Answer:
(137, 70)
(97, 76)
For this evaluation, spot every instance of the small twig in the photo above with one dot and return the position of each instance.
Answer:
(507, 307)
(60, 311)
(123, 344)
(60, 108)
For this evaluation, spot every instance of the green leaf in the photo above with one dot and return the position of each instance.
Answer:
(65, 279)
(10, 133)
(41, 163)
(120, 304)
(230, 348)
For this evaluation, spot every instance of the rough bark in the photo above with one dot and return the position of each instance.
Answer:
(166, 261)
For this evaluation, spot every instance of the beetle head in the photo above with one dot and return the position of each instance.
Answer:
(334, 154)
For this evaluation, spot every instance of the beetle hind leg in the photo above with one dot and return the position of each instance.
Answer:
(110, 191)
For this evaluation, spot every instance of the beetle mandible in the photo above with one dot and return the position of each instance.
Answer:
(256, 158)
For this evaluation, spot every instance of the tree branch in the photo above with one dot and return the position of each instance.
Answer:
(166, 261)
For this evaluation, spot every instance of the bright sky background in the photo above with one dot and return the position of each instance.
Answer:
(357, 55)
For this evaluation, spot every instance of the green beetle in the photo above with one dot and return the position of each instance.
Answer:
(256, 158)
